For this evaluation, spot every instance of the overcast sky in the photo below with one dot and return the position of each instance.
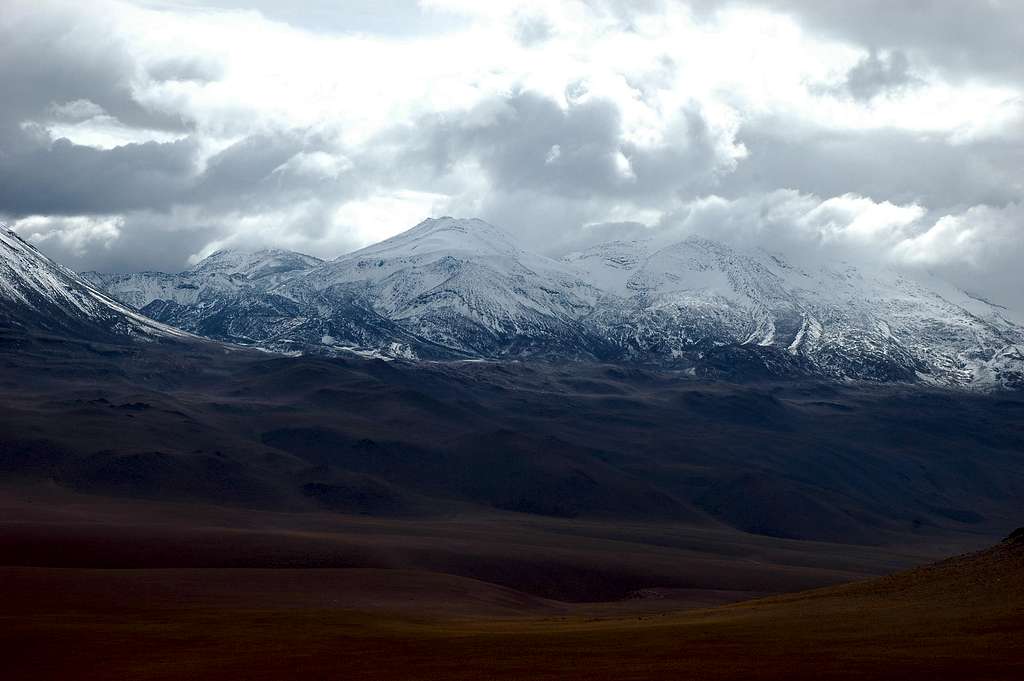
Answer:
(145, 134)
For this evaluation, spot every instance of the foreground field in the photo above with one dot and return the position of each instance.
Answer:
(197, 515)
(960, 619)
(117, 589)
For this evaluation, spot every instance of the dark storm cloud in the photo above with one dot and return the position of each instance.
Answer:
(58, 57)
(886, 164)
(965, 38)
(528, 142)
(151, 240)
(169, 209)
(244, 168)
(51, 59)
(971, 38)
(539, 166)
(61, 178)
(875, 75)
(551, 169)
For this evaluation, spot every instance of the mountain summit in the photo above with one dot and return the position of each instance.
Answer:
(38, 296)
(444, 235)
(269, 263)
(463, 288)
(459, 284)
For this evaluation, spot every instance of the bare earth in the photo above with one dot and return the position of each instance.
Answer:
(188, 613)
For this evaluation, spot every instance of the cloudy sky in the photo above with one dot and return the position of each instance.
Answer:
(144, 134)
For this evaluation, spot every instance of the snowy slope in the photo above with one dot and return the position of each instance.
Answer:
(38, 295)
(224, 273)
(833, 320)
(225, 296)
(463, 288)
(461, 284)
(268, 266)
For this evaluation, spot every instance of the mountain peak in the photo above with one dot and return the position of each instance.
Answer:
(453, 235)
(467, 226)
(254, 264)
(449, 222)
(37, 294)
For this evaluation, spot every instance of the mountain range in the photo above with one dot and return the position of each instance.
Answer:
(128, 443)
(462, 289)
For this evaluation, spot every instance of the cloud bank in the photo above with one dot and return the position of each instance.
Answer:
(142, 135)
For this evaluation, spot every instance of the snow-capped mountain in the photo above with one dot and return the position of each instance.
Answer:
(834, 320)
(462, 288)
(459, 284)
(39, 296)
(223, 273)
(224, 296)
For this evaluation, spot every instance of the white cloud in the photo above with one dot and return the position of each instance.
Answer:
(74, 234)
(106, 132)
(979, 249)
(315, 164)
(858, 219)
(846, 227)
(742, 62)
(553, 153)
(380, 216)
(976, 237)
(655, 107)
(77, 109)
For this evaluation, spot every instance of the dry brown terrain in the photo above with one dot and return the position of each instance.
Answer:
(963, 619)
(169, 514)
(102, 601)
